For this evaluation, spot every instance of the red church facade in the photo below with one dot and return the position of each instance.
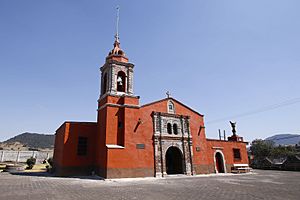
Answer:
(128, 140)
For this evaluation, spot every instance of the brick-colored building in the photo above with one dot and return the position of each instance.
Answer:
(133, 140)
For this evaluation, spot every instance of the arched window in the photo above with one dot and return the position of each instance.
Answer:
(171, 108)
(104, 84)
(169, 128)
(175, 129)
(121, 81)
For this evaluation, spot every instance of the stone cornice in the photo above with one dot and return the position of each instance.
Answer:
(170, 115)
(118, 105)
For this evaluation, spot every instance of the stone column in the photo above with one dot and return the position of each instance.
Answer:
(157, 155)
(190, 146)
(113, 79)
(2, 156)
(130, 81)
(163, 158)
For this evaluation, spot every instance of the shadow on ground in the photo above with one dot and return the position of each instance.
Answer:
(47, 174)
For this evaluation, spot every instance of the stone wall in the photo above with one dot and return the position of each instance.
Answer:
(22, 156)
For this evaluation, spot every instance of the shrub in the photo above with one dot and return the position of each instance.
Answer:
(50, 161)
(30, 162)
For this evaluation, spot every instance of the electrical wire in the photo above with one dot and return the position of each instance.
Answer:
(260, 110)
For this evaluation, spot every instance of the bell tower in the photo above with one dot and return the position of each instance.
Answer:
(116, 73)
(116, 104)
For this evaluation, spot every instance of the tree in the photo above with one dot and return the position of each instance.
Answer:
(30, 162)
(261, 148)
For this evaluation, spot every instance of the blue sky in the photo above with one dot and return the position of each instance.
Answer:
(222, 58)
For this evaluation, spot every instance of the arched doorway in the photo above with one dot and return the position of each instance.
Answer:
(219, 163)
(174, 161)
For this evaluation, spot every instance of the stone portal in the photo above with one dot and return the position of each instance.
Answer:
(172, 146)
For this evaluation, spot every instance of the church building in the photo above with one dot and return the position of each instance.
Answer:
(132, 140)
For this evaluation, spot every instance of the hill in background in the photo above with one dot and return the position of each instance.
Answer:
(285, 139)
(33, 140)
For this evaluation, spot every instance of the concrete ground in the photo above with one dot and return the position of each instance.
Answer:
(257, 185)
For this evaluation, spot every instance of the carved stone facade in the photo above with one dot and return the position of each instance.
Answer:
(164, 139)
(109, 84)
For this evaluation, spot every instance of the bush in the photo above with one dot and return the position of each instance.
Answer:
(50, 161)
(30, 162)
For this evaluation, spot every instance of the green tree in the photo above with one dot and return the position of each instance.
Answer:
(261, 148)
(283, 151)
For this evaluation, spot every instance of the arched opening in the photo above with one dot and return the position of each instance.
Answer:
(171, 108)
(104, 84)
(175, 129)
(174, 161)
(219, 163)
(121, 81)
(169, 128)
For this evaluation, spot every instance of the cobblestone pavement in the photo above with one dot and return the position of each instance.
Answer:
(257, 185)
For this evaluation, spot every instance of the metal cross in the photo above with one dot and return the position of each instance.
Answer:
(168, 94)
(117, 24)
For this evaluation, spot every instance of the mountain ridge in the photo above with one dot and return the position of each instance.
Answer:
(284, 139)
(33, 140)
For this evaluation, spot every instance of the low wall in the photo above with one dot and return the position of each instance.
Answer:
(22, 156)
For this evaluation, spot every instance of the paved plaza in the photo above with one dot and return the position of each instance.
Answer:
(257, 185)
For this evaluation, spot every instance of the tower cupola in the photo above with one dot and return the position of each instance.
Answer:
(117, 53)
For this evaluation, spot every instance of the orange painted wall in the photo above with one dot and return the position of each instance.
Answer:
(66, 152)
(227, 150)
(59, 145)
(137, 129)
(135, 133)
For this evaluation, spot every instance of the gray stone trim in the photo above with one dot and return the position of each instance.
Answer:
(112, 68)
(118, 105)
(163, 141)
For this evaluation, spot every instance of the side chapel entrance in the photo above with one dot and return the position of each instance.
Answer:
(219, 163)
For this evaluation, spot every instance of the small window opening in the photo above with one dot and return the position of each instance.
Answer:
(120, 124)
(237, 154)
(82, 146)
(169, 128)
(171, 108)
(175, 129)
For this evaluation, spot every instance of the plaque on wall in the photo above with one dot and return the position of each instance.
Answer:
(140, 146)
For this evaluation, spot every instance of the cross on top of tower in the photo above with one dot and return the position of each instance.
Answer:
(117, 53)
(117, 24)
